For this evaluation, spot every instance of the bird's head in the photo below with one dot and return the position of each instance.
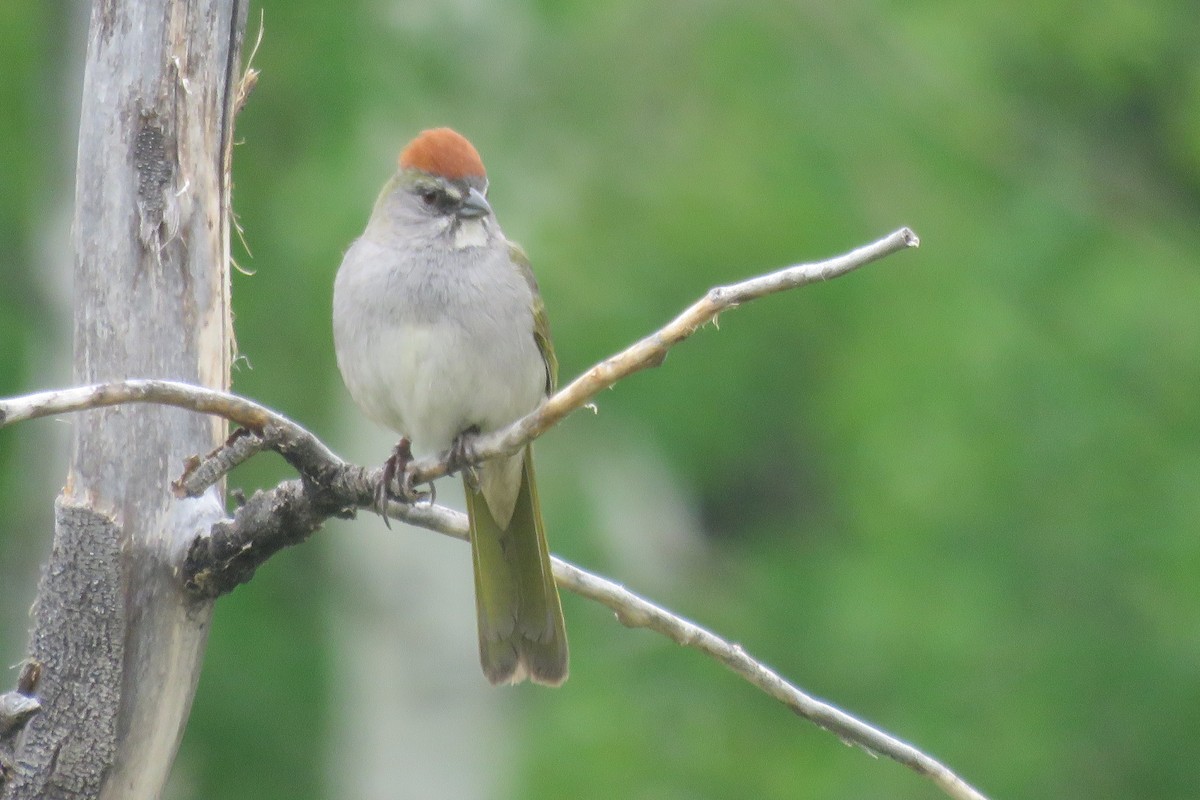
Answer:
(441, 186)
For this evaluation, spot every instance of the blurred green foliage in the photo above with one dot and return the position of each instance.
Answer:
(957, 493)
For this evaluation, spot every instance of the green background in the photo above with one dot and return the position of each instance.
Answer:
(956, 493)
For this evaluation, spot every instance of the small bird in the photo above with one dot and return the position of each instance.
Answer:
(441, 335)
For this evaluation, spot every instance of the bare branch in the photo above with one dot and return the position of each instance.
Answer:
(292, 511)
(652, 350)
(329, 486)
(268, 429)
(236, 409)
(199, 474)
(297, 444)
(333, 487)
(636, 612)
(243, 535)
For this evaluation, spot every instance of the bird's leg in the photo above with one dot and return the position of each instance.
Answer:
(396, 462)
(462, 454)
(397, 480)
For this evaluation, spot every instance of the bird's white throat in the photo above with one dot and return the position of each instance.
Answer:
(470, 233)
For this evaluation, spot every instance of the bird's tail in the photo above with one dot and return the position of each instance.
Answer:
(521, 629)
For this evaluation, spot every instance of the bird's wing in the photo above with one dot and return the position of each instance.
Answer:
(541, 325)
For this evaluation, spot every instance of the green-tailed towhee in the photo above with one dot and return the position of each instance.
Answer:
(441, 334)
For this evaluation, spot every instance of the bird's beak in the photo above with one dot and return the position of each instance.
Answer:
(474, 205)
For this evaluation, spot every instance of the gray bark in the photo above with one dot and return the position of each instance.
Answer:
(118, 640)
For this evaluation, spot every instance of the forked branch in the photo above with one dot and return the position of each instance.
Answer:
(329, 487)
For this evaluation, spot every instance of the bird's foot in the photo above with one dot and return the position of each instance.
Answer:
(397, 480)
(462, 454)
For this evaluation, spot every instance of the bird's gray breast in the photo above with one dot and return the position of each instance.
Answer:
(432, 340)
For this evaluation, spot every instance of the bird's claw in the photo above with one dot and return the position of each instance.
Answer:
(397, 481)
(462, 456)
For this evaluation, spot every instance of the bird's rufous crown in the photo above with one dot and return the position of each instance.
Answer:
(442, 152)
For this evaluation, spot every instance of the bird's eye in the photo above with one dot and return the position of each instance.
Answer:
(429, 196)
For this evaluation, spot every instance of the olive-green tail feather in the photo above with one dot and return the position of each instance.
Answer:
(521, 629)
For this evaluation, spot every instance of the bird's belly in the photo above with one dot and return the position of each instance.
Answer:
(431, 381)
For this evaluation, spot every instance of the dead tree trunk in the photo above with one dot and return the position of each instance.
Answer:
(118, 642)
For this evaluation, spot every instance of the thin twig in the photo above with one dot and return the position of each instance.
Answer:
(246, 413)
(201, 473)
(635, 611)
(652, 350)
(304, 451)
